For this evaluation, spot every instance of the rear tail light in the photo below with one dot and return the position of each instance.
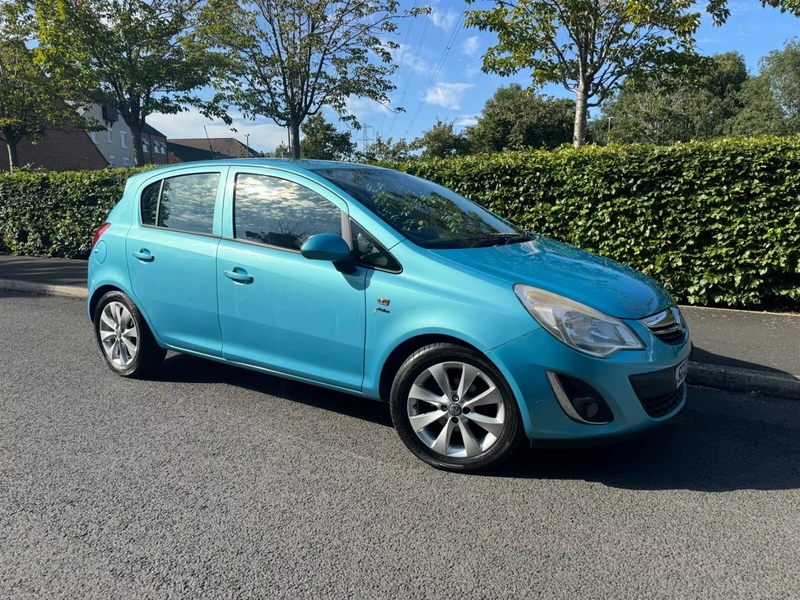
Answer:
(99, 232)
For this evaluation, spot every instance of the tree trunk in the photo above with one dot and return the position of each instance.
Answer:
(138, 151)
(581, 113)
(294, 138)
(13, 159)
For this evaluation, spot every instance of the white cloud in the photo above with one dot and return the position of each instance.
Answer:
(447, 95)
(467, 121)
(470, 45)
(404, 56)
(357, 105)
(264, 136)
(444, 19)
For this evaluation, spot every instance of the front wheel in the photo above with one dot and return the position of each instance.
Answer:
(454, 409)
(125, 340)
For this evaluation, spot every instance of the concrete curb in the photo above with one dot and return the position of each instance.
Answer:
(734, 379)
(720, 377)
(44, 289)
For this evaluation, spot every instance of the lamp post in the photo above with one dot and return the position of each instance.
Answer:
(247, 139)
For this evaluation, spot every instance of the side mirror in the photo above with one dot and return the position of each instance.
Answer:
(326, 246)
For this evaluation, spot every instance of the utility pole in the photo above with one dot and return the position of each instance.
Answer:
(247, 139)
(367, 141)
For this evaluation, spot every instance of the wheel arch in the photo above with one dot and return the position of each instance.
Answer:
(405, 349)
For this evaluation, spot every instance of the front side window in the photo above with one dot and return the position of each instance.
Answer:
(280, 213)
(428, 214)
(368, 252)
(183, 203)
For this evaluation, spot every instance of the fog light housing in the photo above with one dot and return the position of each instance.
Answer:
(579, 400)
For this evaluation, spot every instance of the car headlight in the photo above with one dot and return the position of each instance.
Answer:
(577, 325)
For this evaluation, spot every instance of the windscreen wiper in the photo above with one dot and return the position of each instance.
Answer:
(501, 239)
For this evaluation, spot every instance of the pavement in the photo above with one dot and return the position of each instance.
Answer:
(215, 482)
(735, 350)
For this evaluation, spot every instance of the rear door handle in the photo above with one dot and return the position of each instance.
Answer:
(238, 275)
(144, 255)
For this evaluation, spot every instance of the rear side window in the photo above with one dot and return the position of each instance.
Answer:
(281, 213)
(182, 203)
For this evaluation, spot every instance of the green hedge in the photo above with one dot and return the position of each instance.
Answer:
(717, 222)
(46, 213)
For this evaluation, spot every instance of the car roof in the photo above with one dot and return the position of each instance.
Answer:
(296, 165)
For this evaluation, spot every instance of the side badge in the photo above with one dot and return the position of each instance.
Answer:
(382, 302)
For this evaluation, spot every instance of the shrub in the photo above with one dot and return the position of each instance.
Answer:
(47, 213)
(716, 222)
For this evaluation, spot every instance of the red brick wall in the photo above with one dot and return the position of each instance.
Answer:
(57, 151)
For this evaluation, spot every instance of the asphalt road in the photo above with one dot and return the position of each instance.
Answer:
(218, 482)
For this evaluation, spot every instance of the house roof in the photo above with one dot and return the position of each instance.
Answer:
(192, 149)
(150, 130)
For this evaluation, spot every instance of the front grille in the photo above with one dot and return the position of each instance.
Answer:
(668, 326)
(659, 406)
(670, 337)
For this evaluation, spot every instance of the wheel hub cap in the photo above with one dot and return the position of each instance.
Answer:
(455, 410)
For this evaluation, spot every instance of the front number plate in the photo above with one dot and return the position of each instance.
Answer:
(680, 373)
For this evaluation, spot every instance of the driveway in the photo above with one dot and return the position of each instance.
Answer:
(215, 482)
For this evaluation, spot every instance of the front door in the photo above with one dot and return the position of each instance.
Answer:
(171, 253)
(278, 309)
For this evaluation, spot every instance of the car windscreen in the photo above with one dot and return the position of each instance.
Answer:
(425, 213)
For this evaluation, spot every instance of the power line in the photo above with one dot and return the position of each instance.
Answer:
(452, 39)
(414, 64)
(405, 47)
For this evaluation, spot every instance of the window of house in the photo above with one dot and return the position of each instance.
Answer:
(126, 161)
(280, 213)
(145, 146)
(123, 139)
(110, 136)
(93, 135)
(187, 202)
(112, 161)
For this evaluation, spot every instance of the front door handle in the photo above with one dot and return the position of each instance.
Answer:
(238, 275)
(144, 255)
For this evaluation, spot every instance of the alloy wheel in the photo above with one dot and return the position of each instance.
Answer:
(118, 334)
(456, 409)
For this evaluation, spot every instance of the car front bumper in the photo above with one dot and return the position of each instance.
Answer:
(526, 361)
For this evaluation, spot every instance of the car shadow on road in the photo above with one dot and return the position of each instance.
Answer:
(719, 442)
(190, 369)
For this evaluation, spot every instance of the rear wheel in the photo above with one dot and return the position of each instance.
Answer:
(125, 340)
(454, 409)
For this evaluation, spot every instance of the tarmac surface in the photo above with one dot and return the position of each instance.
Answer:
(215, 482)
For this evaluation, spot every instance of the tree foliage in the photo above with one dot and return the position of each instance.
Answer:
(385, 149)
(441, 141)
(514, 118)
(588, 46)
(321, 140)
(676, 108)
(137, 56)
(289, 58)
(30, 100)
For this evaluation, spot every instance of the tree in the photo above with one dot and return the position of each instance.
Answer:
(781, 68)
(514, 118)
(29, 99)
(385, 150)
(678, 107)
(292, 57)
(588, 46)
(322, 140)
(139, 57)
(280, 151)
(760, 113)
(441, 141)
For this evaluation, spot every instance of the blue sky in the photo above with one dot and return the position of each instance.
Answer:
(459, 90)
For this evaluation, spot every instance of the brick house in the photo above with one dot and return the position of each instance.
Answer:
(58, 150)
(192, 149)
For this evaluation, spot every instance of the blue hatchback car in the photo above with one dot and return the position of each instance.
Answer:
(376, 283)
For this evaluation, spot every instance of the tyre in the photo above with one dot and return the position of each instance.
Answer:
(125, 340)
(454, 409)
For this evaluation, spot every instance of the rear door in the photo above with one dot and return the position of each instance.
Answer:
(171, 253)
(277, 309)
